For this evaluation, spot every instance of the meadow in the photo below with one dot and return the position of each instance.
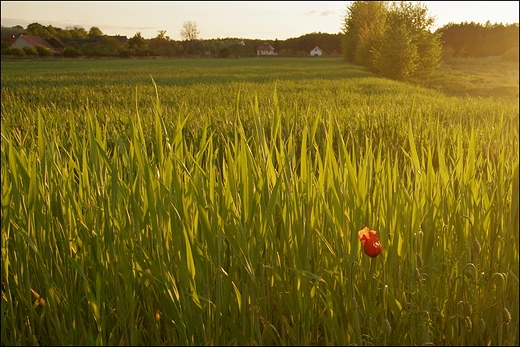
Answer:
(218, 202)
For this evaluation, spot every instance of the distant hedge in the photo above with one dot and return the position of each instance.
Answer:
(510, 55)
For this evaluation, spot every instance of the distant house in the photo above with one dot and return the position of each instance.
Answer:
(31, 41)
(265, 49)
(316, 51)
(57, 44)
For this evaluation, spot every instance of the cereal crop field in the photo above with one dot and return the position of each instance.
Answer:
(218, 202)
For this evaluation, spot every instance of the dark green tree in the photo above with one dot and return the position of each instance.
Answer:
(363, 27)
(477, 40)
(224, 52)
(397, 56)
(77, 32)
(36, 29)
(9, 33)
(393, 40)
(137, 42)
(94, 32)
(43, 51)
(71, 52)
(409, 28)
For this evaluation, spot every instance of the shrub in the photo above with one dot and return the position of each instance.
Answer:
(398, 55)
(5, 45)
(224, 52)
(30, 51)
(510, 55)
(43, 51)
(142, 52)
(447, 53)
(126, 53)
(18, 52)
(71, 52)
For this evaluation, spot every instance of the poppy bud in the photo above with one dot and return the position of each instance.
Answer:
(387, 327)
(371, 244)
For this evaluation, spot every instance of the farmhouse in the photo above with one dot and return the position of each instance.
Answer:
(265, 49)
(316, 51)
(57, 44)
(31, 41)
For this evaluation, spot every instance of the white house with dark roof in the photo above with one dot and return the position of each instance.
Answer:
(265, 49)
(316, 51)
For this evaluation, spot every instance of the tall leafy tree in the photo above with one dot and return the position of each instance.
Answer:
(423, 48)
(397, 56)
(363, 26)
(137, 42)
(77, 32)
(393, 40)
(36, 29)
(94, 32)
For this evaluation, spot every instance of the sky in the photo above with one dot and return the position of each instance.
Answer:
(266, 20)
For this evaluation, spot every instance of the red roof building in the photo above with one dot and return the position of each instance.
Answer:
(57, 44)
(31, 41)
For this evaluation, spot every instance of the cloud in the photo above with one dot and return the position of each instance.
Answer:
(316, 13)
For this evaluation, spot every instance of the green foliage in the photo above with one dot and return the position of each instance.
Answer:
(10, 32)
(17, 52)
(94, 32)
(224, 52)
(397, 57)
(77, 32)
(285, 53)
(393, 41)
(219, 204)
(30, 51)
(5, 45)
(42, 51)
(71, 52)
(137, 42)
(363, 26)
(447, 53)
(510, 55)
(479, 40)
(126, 53)
(104, 47)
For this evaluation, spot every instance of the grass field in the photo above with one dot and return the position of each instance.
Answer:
(205, 201)
(477, 77)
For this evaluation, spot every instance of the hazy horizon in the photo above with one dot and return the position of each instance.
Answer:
(248, 20)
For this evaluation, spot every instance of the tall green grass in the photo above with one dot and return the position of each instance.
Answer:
(228, 213)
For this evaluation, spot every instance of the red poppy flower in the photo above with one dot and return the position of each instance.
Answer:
(371, 244)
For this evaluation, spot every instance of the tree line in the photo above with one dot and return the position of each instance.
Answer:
(393, 40)
(479, 40)
(93, 43)
(396, 40)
